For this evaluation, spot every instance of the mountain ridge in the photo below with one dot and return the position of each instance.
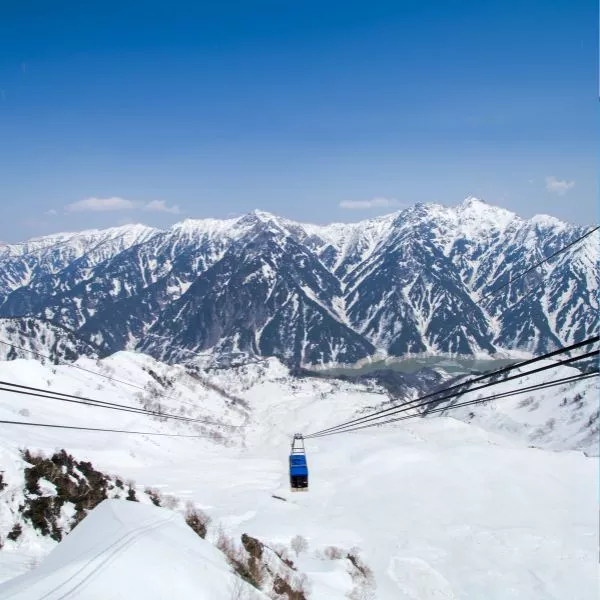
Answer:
(408, 282)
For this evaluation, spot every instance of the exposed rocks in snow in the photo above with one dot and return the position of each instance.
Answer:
(414, 282)
(56, 493)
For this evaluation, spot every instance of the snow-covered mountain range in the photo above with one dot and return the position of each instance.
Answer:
(409, 282)
(27, 337)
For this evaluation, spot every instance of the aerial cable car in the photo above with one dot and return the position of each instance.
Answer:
(298, 466)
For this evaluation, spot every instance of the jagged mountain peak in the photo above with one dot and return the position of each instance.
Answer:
(473, 201)
(409, 281)
(195, 227)
(472, 216)
(262, 215)
(547, 222)
(339, 234)
(473, 206)
(258, 219)
(125, 235)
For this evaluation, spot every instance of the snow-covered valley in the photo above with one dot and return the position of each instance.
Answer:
(468, 504)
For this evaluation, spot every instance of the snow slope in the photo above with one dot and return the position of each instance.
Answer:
(439, 507)
(115, 548)
(556, 418)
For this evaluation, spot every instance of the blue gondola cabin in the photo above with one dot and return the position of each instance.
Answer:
(298, 465)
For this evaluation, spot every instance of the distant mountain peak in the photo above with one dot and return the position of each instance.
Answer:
(473, 201)
(407, 282)
(262, 214)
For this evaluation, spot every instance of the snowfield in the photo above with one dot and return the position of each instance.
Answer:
(116, 547)
(444, 507)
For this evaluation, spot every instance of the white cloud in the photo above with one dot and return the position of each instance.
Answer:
(100, 205)
(51, 213)
(116, 203)
(558, 186)
(368, 204)
(161, 206)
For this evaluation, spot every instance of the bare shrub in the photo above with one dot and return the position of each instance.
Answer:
(299, 544)
(362, 577)
(226, 544)
(154, 496)
(15, 532)
(333, 553)
(361, 568)
(256, 571)
(217, 436)
(107, 369)
(295, 587)
(250, 569)
(131, 496)
(171, 502)
(198, 520)
(284, 554)
(301, 585)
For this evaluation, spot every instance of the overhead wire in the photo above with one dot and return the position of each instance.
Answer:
(73, 365)
(404, 407)
(536, 265)
(98, 374)
(81, 428)
(514, 392)
(153, 433)
(82, 400)
(462, 385)
(413, 404)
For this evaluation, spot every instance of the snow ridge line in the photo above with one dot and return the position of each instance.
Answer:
(541, 262)
(91, 372)
(114, 549)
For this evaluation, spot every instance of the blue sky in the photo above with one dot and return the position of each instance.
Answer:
(158, 111)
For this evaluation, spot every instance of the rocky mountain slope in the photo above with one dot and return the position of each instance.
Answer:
(411, 282)
(30, 337)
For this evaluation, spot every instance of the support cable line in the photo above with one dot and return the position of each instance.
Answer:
(50, 395)
(561, 381)
(460, 387)
(374, 419)
(515, 392)
(80, 368)
(404, 407)
(79, 428)
(536, 265)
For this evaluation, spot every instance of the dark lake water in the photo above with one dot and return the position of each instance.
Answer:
(455, 365)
